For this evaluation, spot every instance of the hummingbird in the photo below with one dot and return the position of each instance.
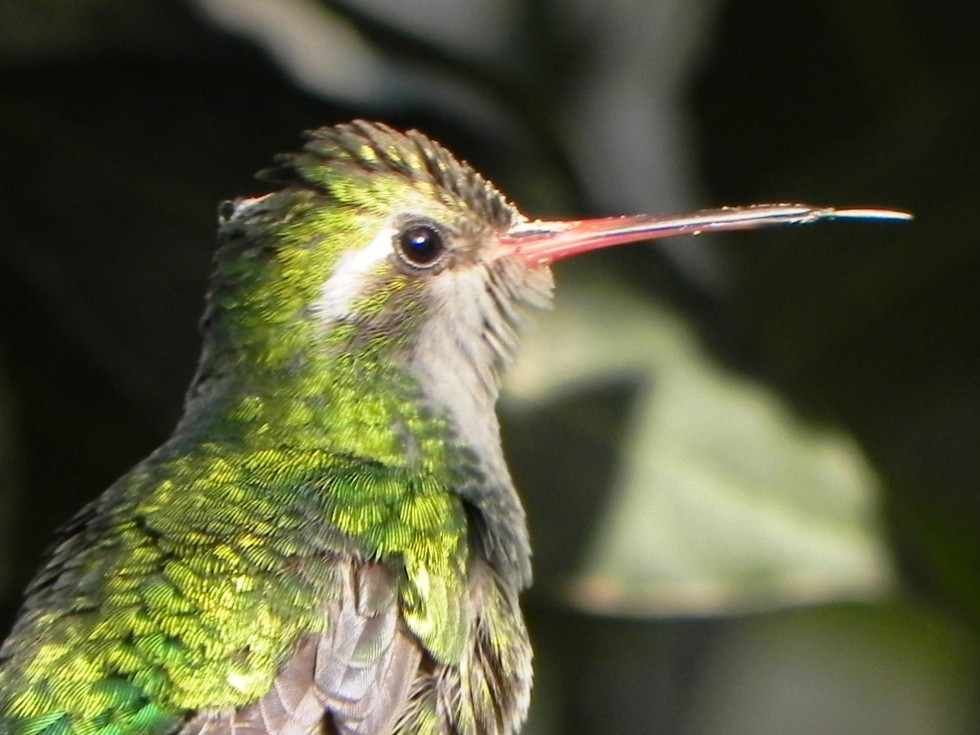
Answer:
(330, 542)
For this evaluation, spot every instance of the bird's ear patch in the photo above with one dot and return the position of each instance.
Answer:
(353, 276)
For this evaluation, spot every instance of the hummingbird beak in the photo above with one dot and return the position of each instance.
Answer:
(541, 243)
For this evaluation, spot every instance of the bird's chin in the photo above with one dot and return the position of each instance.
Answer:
(530, 285)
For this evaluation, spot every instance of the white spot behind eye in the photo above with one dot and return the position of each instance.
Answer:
(351, 276)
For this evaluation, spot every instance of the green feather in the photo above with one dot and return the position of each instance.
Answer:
(306, 446)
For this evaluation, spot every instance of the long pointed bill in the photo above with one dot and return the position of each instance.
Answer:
(545, 242)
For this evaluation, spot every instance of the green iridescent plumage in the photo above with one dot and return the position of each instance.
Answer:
(309, 456)
(330, 542)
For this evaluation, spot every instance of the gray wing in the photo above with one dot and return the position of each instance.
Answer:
(355, 679)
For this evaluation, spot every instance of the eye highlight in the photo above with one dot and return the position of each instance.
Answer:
(420, 245)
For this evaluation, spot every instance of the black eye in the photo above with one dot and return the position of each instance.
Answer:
(420, 245)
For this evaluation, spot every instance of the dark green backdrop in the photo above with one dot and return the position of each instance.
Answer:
(122, 125)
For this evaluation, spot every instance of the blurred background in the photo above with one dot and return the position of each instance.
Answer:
(751, 462)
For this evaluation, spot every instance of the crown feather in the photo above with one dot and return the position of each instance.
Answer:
(376, 148)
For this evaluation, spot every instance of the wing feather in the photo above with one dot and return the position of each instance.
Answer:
(354, 679)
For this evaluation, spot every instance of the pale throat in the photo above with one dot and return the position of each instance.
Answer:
(457, 367)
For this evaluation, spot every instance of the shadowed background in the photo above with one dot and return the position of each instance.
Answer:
(750, 462)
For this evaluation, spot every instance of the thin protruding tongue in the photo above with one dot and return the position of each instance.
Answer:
(545, 242)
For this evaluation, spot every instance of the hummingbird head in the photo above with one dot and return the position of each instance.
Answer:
(382, 258)
(379, 243)
(383, 262)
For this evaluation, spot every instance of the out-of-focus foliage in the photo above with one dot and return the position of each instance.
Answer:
(701, 428)
(721, 499)
(893, 672)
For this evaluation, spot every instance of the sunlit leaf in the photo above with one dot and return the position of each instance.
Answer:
(722, 498)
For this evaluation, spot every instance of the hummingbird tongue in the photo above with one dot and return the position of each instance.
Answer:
(544, 242)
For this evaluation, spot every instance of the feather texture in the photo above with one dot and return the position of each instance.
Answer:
(326, 545)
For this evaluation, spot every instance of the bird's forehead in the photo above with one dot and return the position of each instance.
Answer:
(379, 199)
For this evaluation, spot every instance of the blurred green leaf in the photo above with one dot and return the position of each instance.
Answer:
(722, 499)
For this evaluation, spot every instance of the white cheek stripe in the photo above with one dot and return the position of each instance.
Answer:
(351, 276)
